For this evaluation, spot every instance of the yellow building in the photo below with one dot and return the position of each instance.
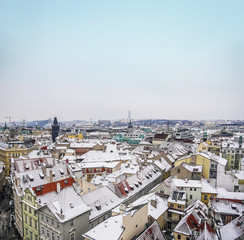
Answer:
(78, 136)
(197, 159)
(30, 215)
(177, 205)
(209, 146)
(14, 149)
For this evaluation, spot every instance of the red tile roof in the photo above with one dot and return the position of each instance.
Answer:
(52, 186)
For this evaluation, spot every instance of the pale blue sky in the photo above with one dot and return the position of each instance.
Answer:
(98, 59)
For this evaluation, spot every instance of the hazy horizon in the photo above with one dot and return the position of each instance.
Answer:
(100, 59)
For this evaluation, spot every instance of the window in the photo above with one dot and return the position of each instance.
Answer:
(205, 197)
(187, 238)
(53, 237)
(47, 219)
(179, 206)
(71, 222)
(190, 189)
(42, 217)
(195, 189)
(58, 238)
(178, 170)
(25, 207)
(47, 233)
(29, 209)
(169, 225)
(170, 214)
(72, 236)
(26, 231)
(136, 225)
(190, 196)
(171, 205)
(58, 225)
(26, 218)
(179, 236)
(43, 232)
(31, 221)
(35, 224)
(31, 235)
(52, 221)
(36, 238)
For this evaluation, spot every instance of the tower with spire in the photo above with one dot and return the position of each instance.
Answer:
(55, 129)
(129, 117)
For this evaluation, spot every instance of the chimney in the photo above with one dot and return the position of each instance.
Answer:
(58, 187)
(154, 203)
(44, 169)
(51, 176)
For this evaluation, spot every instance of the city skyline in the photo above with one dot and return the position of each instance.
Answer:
(160, 60)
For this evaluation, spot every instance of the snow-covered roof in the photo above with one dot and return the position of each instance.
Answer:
(240, 175)
(112, 226)
(67, 205)
(155, 212)
(207, 188)
(227, 207)
(103, 197)
(33, 178)
(188, 183)
(82, 145)
(138, 181)
(162, 164)
(153, 232)
(213, 157)
(191, 168)
(98, 164)
(233, 230)
(223, 193)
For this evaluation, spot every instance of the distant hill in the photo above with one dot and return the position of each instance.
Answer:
(40, 123)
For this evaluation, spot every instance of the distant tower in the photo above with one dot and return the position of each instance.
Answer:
(129, 117)
(55, 129)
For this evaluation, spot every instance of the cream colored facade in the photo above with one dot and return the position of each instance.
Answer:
(135, 223)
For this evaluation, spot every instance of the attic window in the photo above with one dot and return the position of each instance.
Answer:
(126, 190)
(31, 177)
(136, 183)
(61, 171)
(53, 174)
(140, 182)
(72, 166)
(233, 206)
(131, 187)
(147, 176)
(41, 175)
(98, 206)
(150, 174)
